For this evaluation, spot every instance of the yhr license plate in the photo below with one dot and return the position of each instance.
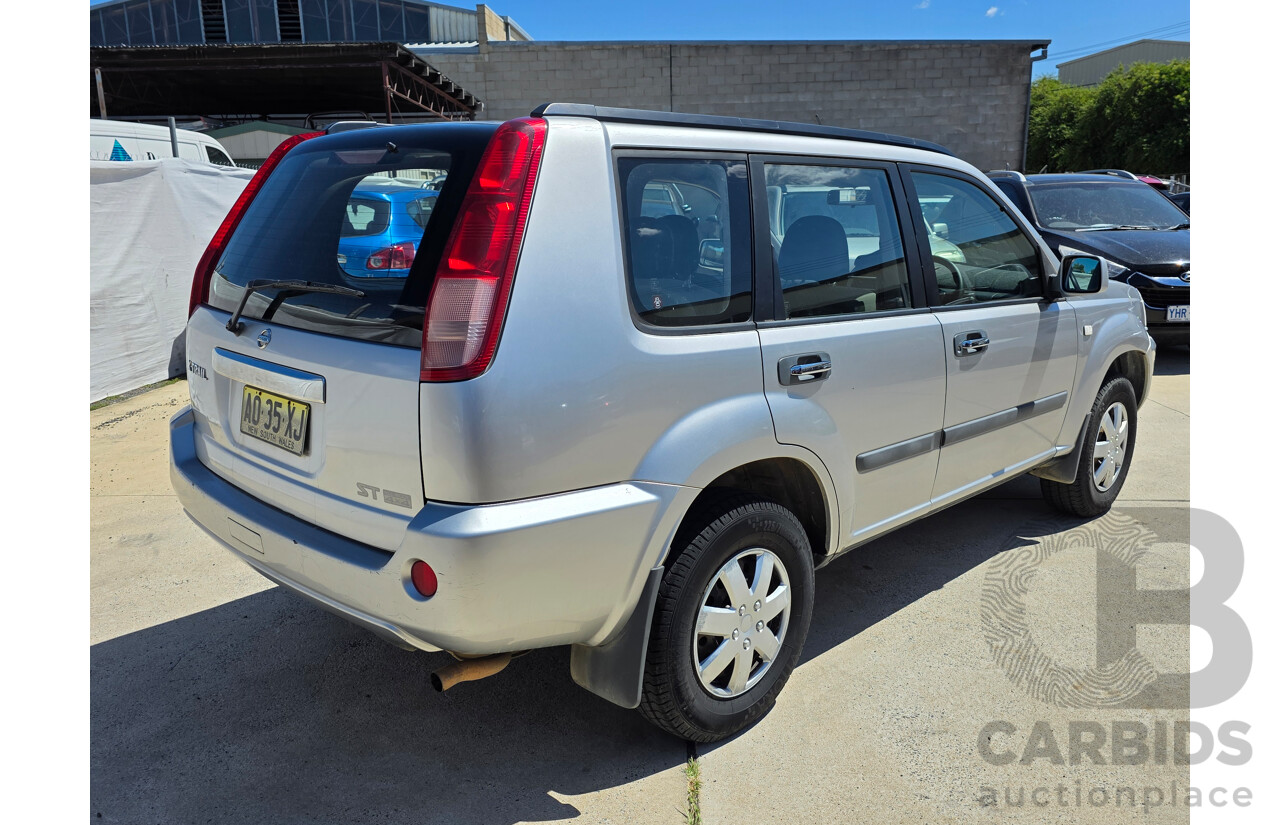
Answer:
(275, 419)
(1180, 313)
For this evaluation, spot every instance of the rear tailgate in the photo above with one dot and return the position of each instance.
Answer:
(312, 404)
(358, 473)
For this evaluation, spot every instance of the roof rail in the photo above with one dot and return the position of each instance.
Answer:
(1007, 173)
(779, 127)
(350, 125)
(1115, 173)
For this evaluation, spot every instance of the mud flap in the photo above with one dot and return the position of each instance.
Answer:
(1063, 469)
(615, 670)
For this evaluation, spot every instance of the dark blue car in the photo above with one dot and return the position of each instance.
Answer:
(1145, 237)
(383, 227)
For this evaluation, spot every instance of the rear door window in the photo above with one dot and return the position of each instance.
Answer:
(837, 246)
(355, 215)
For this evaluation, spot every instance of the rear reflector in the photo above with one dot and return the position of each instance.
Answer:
(473, 282)
(213, 252)
(424, 578)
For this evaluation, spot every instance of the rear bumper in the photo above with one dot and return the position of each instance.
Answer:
(563, 569)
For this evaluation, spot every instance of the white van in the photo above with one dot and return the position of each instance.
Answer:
(120, 140)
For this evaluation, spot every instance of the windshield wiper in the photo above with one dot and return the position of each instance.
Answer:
(1115, 227)
(291, 288)
(1181, 226)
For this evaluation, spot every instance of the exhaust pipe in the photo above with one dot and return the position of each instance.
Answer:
(468, 670)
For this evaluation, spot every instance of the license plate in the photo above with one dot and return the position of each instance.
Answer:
(275, 419)
(1182, 313)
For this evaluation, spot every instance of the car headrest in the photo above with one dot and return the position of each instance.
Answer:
(684, 242)
(652, 252)
(814, 249)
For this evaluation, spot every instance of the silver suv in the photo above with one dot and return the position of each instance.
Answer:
(639, 376)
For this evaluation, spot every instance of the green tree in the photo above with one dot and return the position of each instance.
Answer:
(1138, 118)
(1141, 119)
(1056, 112)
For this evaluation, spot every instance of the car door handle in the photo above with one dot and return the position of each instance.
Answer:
(802, 369)
(814, 369)
(971, 343)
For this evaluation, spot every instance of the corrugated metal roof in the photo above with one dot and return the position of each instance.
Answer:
(1091, 69)
(443, 47)
(263, 79)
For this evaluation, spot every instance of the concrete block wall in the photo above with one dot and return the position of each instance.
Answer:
(970, 96)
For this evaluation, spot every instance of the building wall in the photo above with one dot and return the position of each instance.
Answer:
(969, 96)
(252, 143)
(1090, 71)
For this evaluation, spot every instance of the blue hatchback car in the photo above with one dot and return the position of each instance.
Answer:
(383, 227)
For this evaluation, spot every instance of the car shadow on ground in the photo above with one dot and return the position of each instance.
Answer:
(1171, 360)
(268, 709)
(871, 583)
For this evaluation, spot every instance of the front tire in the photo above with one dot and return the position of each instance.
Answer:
(732, 615)
(1105, 460)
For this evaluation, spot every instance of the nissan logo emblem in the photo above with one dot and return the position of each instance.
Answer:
(264, 338)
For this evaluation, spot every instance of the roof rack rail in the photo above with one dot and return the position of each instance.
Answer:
(351, 125)
(1007, 173)
(1116, 173)
(779, 127)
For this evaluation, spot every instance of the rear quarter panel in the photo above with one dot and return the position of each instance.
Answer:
(577, 396)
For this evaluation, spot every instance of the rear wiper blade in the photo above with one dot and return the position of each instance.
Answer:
(1114, 227)
(293, 287)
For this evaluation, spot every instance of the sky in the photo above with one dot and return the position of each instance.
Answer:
(1075, 28)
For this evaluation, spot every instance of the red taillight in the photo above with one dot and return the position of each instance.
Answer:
(473, 282)
(396, 256)
(204, 269)
(424, 578)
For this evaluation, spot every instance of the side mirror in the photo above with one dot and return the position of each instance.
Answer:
(1082, 274)
(711, 253)
(941, 230)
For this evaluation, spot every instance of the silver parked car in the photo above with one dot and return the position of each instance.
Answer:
(644, 374)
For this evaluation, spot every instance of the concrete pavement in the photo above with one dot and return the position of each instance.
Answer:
(216, 697)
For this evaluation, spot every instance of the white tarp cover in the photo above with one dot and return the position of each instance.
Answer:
(149, 223)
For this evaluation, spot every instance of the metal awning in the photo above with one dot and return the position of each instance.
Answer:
(272, 80)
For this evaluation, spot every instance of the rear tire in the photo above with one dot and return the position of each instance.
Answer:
(1105, 459)
(724, 643)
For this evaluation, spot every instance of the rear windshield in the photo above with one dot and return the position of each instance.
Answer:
(355, 211)
(365, 217)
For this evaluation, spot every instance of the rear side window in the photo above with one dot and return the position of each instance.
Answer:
(420, 209)
(359, 218)
(836, 242)
(687, 240)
